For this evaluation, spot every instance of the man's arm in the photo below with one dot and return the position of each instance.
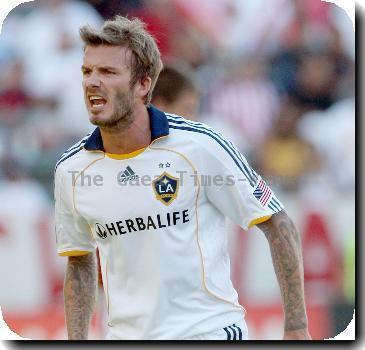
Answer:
(80, 294)
(287, 258)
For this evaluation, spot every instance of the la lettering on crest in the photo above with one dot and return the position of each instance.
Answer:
(166, 188)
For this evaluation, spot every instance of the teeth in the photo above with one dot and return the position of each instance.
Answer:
(91, 98)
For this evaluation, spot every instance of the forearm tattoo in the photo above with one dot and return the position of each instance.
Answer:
(80, 294)
(287, 258)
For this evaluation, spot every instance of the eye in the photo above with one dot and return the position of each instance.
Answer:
(109, 72)
(85, 71)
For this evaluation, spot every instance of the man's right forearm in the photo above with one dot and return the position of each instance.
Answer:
(80, 295)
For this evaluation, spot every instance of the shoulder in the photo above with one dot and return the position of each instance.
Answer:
(71, 155)
(211, 146)
(179, 122)
(195, 131)
(201, 134)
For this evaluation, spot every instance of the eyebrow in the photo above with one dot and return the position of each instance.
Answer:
(102, 67)
(107, 68)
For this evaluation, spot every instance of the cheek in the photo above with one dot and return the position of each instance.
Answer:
(83, 86)
(137, 90)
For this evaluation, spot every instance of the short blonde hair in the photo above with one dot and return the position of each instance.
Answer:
(131, 33)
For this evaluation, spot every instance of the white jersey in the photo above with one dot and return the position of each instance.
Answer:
(158, 218)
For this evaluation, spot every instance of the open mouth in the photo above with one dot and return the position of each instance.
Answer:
(97, 101)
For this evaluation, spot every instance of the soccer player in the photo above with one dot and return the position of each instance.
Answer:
(176, 91)
(151, 191)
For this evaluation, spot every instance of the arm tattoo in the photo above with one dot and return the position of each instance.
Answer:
(80, 294)
(287, 258)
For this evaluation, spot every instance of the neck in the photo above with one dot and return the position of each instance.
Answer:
(134, 137)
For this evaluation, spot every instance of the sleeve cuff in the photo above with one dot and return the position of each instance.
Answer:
(259, 220)
(74, 253)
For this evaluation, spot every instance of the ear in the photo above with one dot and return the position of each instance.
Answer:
(143, 87)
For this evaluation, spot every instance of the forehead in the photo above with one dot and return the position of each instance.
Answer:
(105, 55)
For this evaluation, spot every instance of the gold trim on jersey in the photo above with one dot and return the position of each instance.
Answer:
(73, 186)
(205, 287)
(126, 155)
(74, 253)
(158, 138)
(79, 174)
(259, 220)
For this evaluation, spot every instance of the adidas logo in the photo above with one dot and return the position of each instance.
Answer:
(127, 175)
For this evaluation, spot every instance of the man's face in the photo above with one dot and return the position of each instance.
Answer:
(106, 82)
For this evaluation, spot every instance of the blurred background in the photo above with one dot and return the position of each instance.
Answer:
(277, 77)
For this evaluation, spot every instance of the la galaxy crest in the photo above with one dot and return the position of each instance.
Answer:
(166, 188)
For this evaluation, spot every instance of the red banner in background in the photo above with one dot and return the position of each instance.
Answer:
(322, 272)
(319, 253)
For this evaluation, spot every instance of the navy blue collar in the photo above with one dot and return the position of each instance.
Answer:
(158, 123)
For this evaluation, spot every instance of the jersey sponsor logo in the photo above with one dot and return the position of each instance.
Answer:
(166, 188)
(155, 222)
(100, 230)
(127, 175)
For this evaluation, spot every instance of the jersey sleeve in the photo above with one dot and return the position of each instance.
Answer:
(73, 236)
(240, 193)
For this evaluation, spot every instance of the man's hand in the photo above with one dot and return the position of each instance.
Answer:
(287, 258)
(300, 334)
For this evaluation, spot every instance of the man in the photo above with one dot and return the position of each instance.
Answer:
(151, 192)
(176, 91)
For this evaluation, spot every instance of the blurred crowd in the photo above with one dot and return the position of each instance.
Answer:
(277, 77)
